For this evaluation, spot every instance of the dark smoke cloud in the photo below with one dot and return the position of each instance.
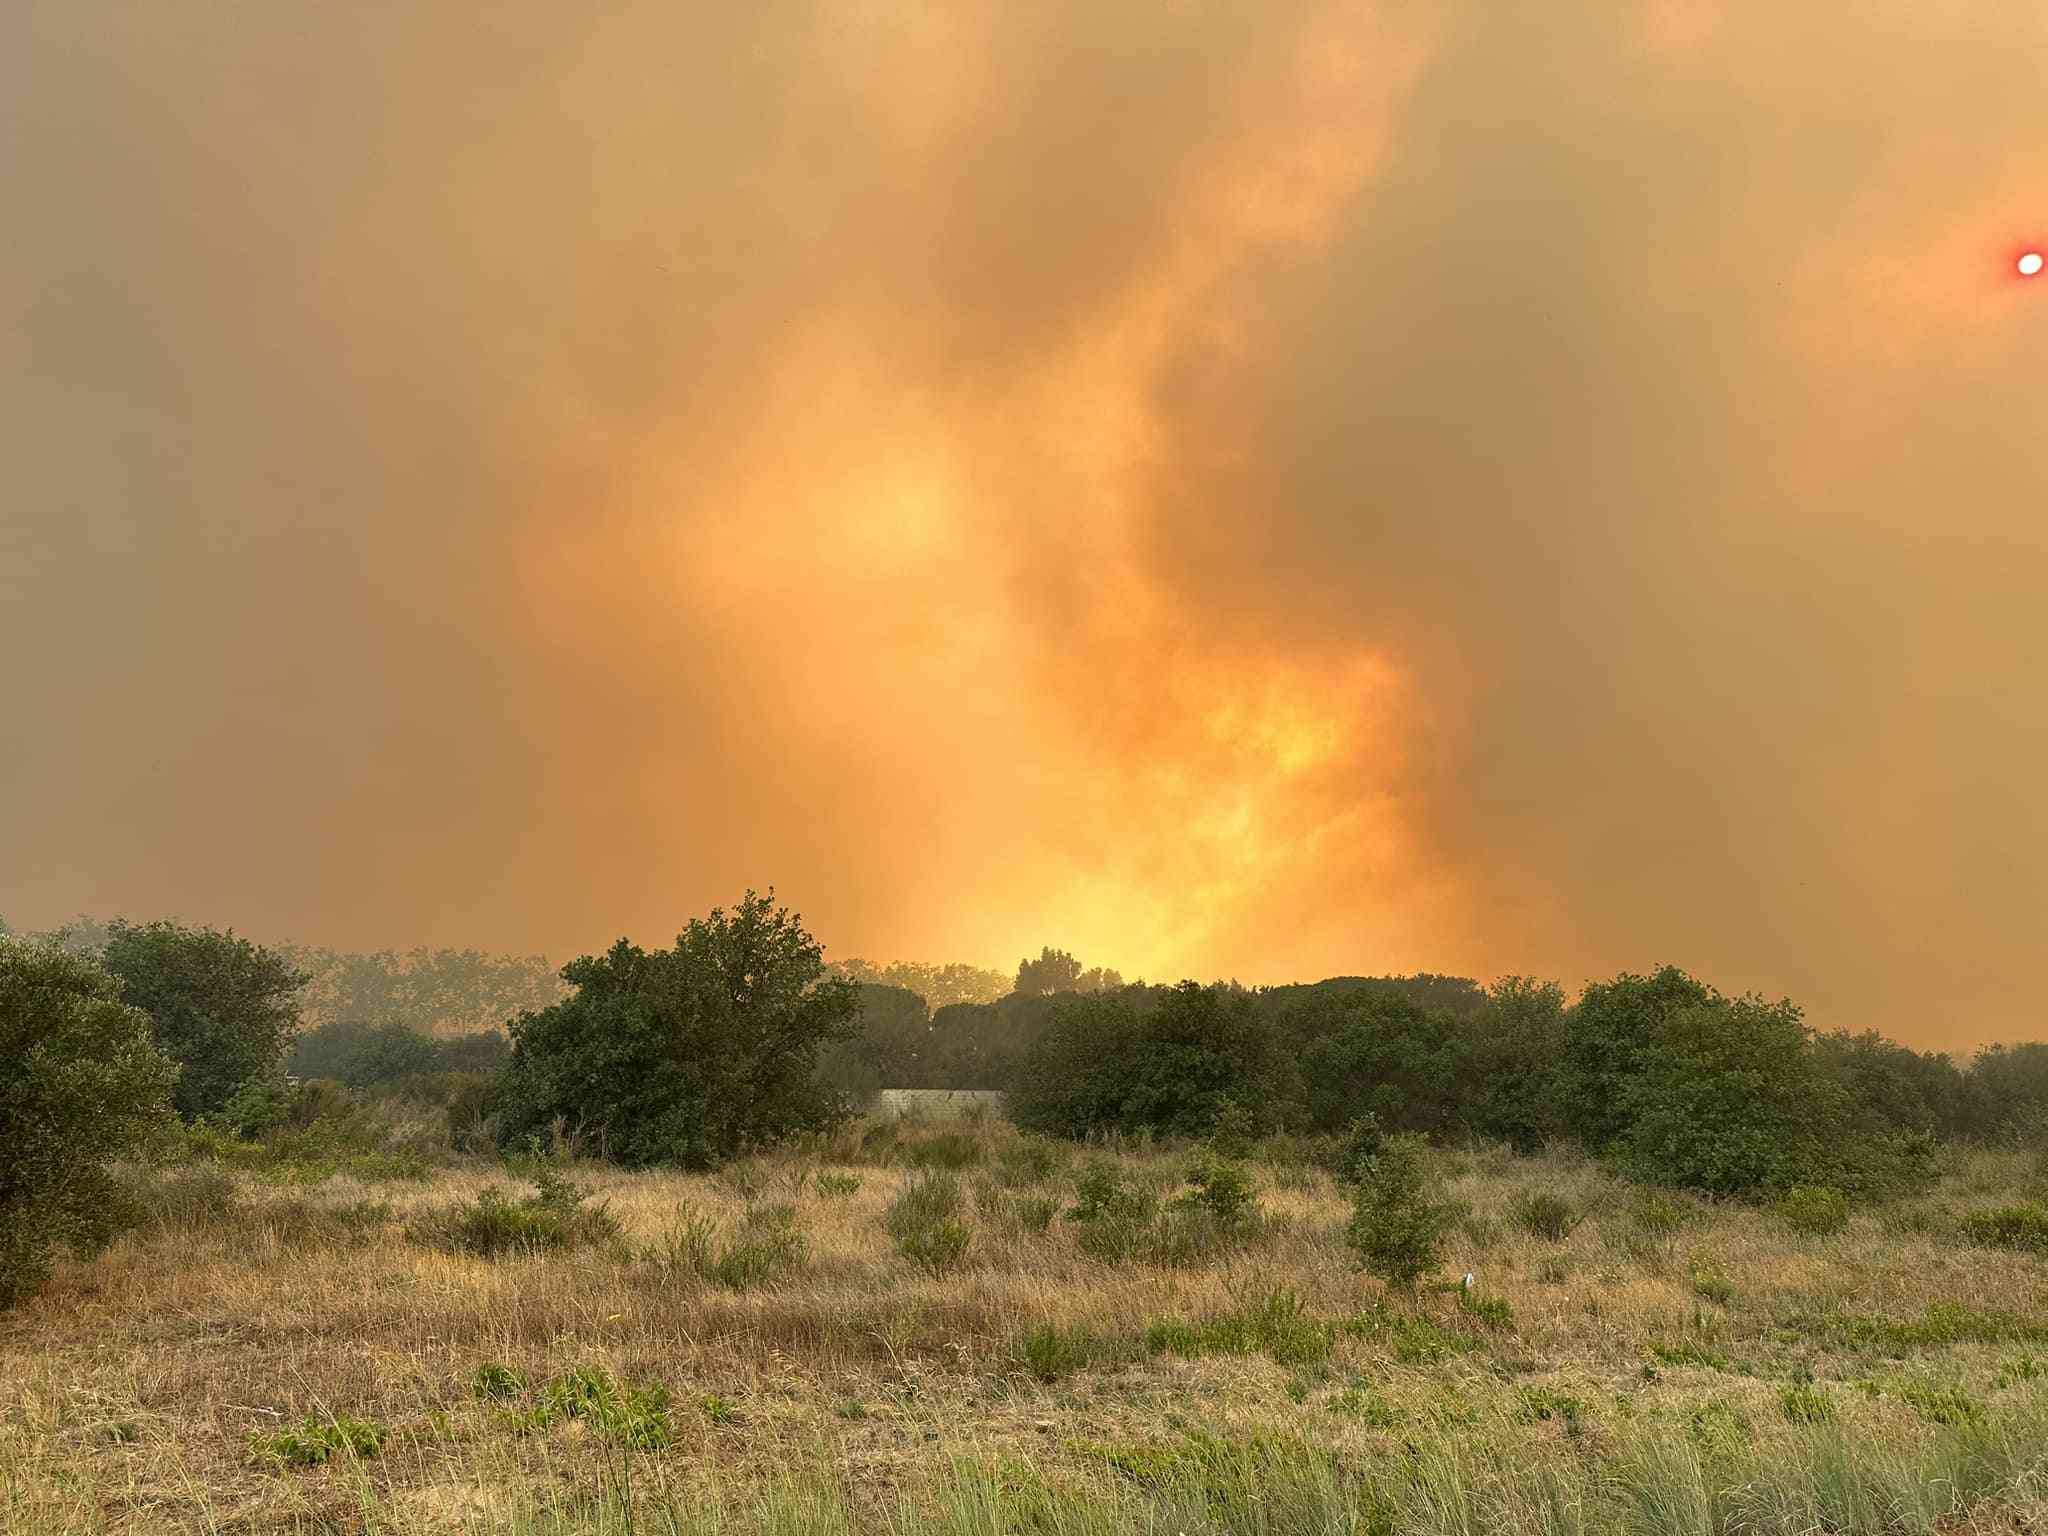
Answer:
(1258, 490)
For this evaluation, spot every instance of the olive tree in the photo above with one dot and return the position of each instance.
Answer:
(81, 1083)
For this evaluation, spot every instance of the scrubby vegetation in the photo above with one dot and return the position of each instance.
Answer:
(1376, 1254)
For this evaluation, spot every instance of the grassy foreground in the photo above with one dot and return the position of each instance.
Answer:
(277, 1350)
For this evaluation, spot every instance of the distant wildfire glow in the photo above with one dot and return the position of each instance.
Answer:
(1263, 490)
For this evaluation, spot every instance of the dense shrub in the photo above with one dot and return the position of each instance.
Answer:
(81, 1084)
(1396, 1229)
(1174, 1064)
(768, 1247)
(1728, 1098)
(1609, 1032)
(1814, 1209)
(219, 1006)
(689, 1055)
(554, 1216)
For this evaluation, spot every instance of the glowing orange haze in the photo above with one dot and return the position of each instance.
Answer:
(1261, 490)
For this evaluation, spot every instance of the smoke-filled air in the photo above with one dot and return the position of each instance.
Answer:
(1235, 491)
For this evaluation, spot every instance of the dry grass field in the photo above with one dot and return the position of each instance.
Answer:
(1662, 1366)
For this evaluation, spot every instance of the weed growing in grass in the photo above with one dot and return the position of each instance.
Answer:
(717, 1410)
(1939, 1405)
(1050, 1352)
(493, 1225)
(768, 1247)
(1539, 1405)
(497, 1382)
(631, 1415)
(314, 1441)
(1413, 1339)
(1813, 1209)
(1710, 1284)
(1278, 1325)
(1805, 1403)
(1028, 1160)
(1545, 1215)
(1492, 1311)
(837, 1185)
(1222, 1190)
(947, 1149)
(1661, 1215)
(924, 1219)
(1690, 1353)
(2022, 1227)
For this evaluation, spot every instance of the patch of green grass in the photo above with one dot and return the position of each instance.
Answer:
(768, 1247)
(1536, 1405)
(635, 1416)
(1544, 1214)
(555, 1216)
(837, 1185)
(1492, 1312)
(1941, 1326)
(1689, 1353)
(1816, 1210)
(2022, 1227)
(497, 1382)
(1050, 1352)
(1278, 1326)
(1939, 1405)
(313, 1441)
(1410, 1337)
(718, 1410)
(1366, 1407)
(1805, 1403)
(947, 1149)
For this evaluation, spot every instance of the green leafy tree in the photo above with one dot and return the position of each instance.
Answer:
(221, 1007)
(82, 1083)
(1607, 1032)
(688, 1055)
(1509, 1072)
(1174, 1062)
(1053, 971)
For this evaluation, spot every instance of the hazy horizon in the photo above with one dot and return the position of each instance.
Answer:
(1271, 492)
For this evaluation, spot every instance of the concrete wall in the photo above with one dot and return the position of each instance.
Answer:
(934, 1103)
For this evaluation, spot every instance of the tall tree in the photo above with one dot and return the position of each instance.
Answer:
(221, 1007)
(687, 1055)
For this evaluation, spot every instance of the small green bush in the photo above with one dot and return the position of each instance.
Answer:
(1224, 1191)
(1412, 1339)
(1545, 1215)
(1710, 1284)
(1493, 1312)
(924, 1219)
(631, 1415)
(497, 1382)
(1661, 1215)
(1941, 1405)
(948, 1149)
(1033, 1213)
(1813, 1209)
(2022, 1227)
(1804, 1403)
(1277, 1325)
(493, 1225)
(314, 1441)
(1028, 1160)
(1362, 1142)
(1396, 1230)
(1050, 1352)
(768, 1247)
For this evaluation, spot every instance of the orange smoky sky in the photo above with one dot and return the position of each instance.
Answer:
(1259, 489)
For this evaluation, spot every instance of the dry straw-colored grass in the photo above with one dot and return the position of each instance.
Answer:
(1641, 1381)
